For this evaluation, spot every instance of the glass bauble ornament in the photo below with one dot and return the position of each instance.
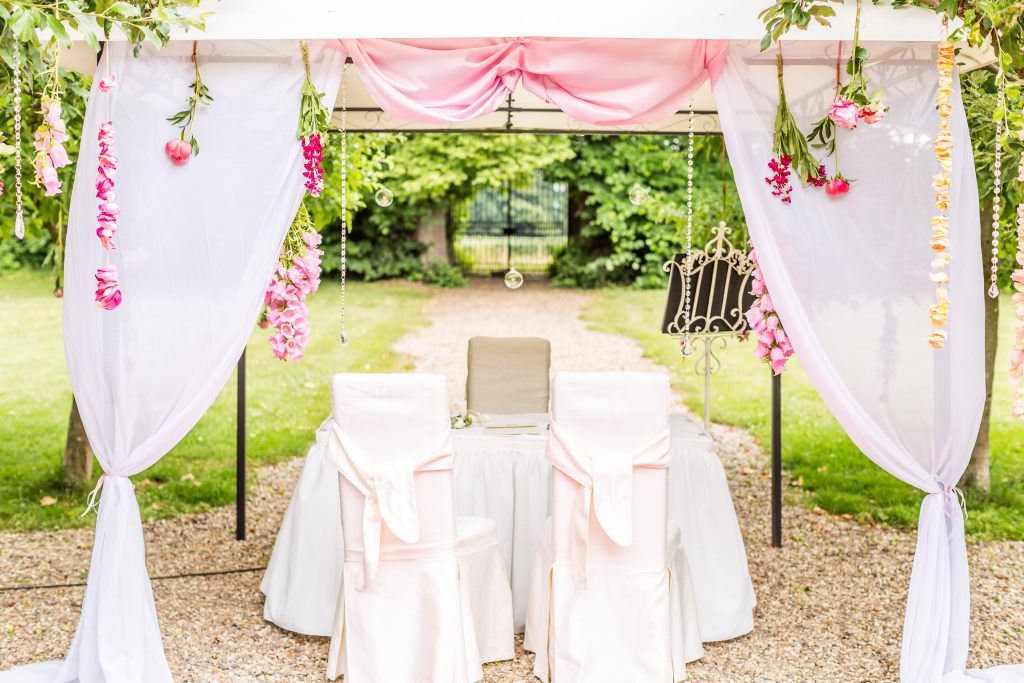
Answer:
(384, 197)
(514, 279)
(638, 194)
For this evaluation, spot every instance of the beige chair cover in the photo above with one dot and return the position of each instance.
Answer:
(508, 375)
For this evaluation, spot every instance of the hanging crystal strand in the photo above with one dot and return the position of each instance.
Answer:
(997, 173)
(19, 218)
(686, 349)
(344, 198)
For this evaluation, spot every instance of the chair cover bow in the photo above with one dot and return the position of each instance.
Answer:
(606, 482)
(388, 486)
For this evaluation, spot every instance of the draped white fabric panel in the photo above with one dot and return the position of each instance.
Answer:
(196, 247)
(849, 277)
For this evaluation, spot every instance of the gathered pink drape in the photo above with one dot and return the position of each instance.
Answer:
(598, 81)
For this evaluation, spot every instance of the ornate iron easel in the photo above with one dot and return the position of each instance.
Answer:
(719, 285)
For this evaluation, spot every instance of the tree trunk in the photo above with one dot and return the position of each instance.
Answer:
(976, 476)
(76, 469)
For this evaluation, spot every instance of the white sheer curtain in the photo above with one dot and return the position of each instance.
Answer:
(196, 247)
(849, 278)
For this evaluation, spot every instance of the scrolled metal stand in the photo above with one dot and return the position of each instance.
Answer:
(708, 364)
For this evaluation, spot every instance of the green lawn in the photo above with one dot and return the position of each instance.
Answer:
(286, 402)
(816, 452)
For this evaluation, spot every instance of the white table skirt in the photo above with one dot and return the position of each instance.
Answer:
(505, 478)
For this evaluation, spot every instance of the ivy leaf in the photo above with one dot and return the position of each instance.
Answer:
(23, 23)
(124, 9)
(60, 32)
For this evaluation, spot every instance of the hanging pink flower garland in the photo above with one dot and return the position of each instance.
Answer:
(298, 268)
(108, 285)
(297, 276)
(49, 143)
(773, 346)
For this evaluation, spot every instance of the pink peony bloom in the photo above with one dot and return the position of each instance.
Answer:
(108, 83)
(178, 151)
(837, 187)
(872, 115)
(108, 288)
(844, 113)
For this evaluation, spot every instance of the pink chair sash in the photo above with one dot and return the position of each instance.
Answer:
(606, 482)
(599, 81)
(388, 486)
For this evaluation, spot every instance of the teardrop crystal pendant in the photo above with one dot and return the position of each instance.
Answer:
(513, 279)
(685, 348)
(993, 291)
(19, 226)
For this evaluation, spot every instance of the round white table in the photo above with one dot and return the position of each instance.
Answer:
(501, 473)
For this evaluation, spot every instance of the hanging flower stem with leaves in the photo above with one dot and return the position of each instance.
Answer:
(179, 150)
(853, 102)
(51, 134)
(314, 118)
(791, 150)
(939, 311)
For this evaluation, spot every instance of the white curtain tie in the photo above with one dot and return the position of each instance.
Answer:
(958, 494)
(93, 501)
(606, 484)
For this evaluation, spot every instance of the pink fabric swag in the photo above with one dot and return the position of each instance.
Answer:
(598, 81)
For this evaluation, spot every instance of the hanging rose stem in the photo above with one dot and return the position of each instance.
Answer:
(939, 311)
(180, 150)
(839, 185)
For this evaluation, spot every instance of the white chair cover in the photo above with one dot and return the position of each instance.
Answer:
(610, 608)
(403, 613)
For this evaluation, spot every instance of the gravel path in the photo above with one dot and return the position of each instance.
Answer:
(830, 603)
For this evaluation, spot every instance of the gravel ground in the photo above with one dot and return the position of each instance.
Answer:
(830, 603)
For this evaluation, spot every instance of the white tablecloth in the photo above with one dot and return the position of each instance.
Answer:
(505, 477)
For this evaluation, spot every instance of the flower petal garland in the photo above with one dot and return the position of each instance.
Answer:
(297, 276)
(108, 283)
(773, 346)
(1017, 353)
(108, 288)
(49, 143)
(108, 212)
(939, 311)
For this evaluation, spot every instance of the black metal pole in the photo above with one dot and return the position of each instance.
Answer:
(240, 453)
(776, 461)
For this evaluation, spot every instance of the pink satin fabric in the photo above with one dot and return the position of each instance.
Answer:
(606, 483)
(598, 81)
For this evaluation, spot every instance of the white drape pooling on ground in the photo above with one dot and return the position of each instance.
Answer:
(849, 278)
(196, 247)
